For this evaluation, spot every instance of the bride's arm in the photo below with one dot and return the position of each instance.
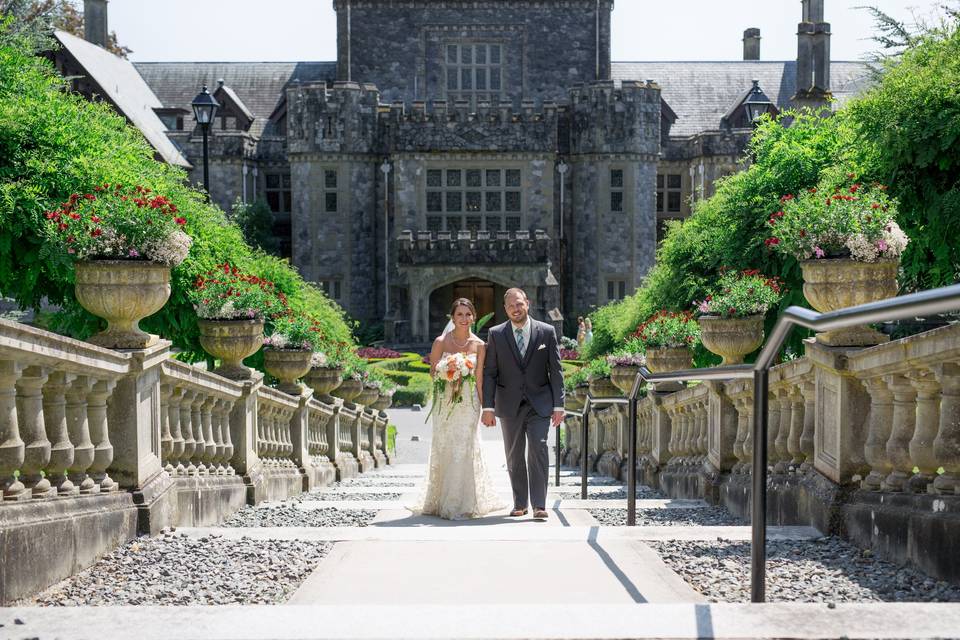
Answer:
(435, 354)
(478, 372)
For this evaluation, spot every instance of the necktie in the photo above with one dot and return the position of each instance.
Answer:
(520, 346)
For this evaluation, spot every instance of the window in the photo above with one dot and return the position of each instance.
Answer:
(616, 190)
(474, 199)
(474, 72)
(616, 289)
(331, 288)
(278, 192)
(669, 192)
(330, 191)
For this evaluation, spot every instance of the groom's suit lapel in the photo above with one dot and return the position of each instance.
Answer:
(534, 337)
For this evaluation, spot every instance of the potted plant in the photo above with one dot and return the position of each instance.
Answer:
(599, 379)
(625, 364)
(123, 242)
(352, 384)
(848, 243)
(667, 339)
(325, 375)
(385, 397)
(731, 320)
(288, 350)
(231, 307)
(575, 387)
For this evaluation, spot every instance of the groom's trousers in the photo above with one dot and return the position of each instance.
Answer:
(527, 431)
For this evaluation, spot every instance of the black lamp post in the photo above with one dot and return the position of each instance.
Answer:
(205, 108)
(757, 103)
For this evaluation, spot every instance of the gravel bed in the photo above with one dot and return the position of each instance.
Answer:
(173, 569)
(701, 516)
(287, 515)
(825, 570)
(644, 493)
(375, 482)
(340, 495)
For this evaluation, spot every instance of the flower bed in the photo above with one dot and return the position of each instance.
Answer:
(378, 353)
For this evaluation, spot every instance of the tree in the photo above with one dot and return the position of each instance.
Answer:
(36, 19)
(256, 222)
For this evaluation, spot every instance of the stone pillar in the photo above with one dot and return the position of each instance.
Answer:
(723, 427)
(946, 446)
(928, 423)
(904, 422)
(879, 427)
(300, 439)
(11, 446)
(243, 434)
(809, 423)
(134, 418)
(660, 431)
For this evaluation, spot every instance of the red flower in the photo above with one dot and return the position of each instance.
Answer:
(96, 233)
(94, 218)
(803, 233)
(181, 221)
(90, 196)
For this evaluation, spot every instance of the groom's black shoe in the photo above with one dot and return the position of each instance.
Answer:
(540, 514)
(516, 513)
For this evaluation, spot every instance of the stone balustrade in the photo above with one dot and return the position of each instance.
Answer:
(99, 446)
(861, 441)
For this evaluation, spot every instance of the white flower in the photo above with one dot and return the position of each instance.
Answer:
(277, 341)
(318, 359)
(895, 239)
(171, 250)
(861, 248)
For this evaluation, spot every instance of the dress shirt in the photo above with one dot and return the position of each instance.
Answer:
(526, 329)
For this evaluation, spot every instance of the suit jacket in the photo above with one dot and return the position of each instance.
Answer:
(508, 378)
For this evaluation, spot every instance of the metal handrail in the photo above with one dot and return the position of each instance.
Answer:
(930, 302)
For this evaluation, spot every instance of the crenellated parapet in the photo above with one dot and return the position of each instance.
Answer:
(607, 119)
(338, 119)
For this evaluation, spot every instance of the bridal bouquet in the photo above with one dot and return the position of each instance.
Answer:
(453, 369)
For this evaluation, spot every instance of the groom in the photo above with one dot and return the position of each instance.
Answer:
(523, 386)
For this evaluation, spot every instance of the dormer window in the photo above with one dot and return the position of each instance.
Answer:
(474, 72)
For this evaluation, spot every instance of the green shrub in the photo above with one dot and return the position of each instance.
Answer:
(391, 438)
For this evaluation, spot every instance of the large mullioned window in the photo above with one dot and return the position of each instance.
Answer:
(473, 199)
(474, 72)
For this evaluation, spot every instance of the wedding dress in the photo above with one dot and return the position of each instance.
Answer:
(458, 484)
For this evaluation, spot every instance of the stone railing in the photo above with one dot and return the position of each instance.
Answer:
(861, 442)
(474, 247)
(99, 446)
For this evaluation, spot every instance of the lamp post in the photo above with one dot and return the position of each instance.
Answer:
(205, 108)
(385, 168)
(562, 168)
(757, 103)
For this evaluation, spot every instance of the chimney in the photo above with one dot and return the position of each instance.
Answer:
(751, 44)
(95, 22)
(813, 52)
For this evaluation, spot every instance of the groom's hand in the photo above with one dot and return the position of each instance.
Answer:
(558, 417)
(489, 419)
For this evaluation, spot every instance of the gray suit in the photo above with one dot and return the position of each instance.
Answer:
(524, 392)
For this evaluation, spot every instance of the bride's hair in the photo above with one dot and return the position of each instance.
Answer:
(462, 302)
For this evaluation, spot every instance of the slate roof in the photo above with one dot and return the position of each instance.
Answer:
(702, 92)
(258, 85)
(126, 89)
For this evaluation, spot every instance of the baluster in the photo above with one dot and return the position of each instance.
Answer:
(175, 465)
(738, 441)
(55, 419)
(78, 427)
(37, 447)
(209, 444)
(200, 417)
(166, 437)
(186, 425)
(773, 427)
(11, 446)
(928, 423)
(809, 424)
(946, 446)
(748, 435)
(100, 435)
(782, 442)
(795, 395)
(904, 422)
(703, 443)
(219, 426)
(673, 444)
(879, 427)
(228, 449)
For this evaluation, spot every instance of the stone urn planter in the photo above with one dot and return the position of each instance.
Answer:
(323, 380)
(663, 359)
(731, 338)
(833, 284)
(383, 402)
(348, 390)
(603, 387)
(122, 292)
(623, 376)
(287, 366)
(367, 396)
(572, 401)
(231, 341)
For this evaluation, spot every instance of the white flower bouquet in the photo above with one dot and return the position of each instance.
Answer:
(453, 369)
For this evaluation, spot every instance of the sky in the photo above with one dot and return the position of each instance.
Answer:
(288, 30)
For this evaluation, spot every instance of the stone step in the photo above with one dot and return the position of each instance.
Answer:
(407, 499)
(499, 622)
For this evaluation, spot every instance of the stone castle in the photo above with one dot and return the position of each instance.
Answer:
(461, 147)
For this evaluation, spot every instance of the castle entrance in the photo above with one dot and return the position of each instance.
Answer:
(483, 293)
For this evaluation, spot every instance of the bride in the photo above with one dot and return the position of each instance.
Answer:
(458, 484)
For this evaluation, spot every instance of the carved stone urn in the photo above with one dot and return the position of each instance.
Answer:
(603, 387)
(348, 390)
(122, 292)
(287, 366)
(623, 376)
(367, 396)
(731, 338)
(383, 402)
(663, 359)
(833, 284)
(323, 380)
(231, 341)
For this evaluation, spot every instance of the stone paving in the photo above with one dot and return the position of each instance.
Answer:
(356, 546)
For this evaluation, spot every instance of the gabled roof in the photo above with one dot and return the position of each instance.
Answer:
(225, 94)
(701, 93)
(124, 87)
(259, 85)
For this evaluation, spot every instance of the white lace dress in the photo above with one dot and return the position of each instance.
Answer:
(458, 484)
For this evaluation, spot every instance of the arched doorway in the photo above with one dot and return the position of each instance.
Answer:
(486, 296)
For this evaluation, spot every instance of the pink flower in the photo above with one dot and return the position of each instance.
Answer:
(134, 253)
(882, 245)
(817, 251)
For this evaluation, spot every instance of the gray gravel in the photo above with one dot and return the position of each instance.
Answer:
(340, 495)
(385, 483)
(643, 492)
(701, 516)
(287, 515)
(825, 570)
(172, 569)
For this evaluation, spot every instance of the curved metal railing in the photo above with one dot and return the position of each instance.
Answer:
(934, 301)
